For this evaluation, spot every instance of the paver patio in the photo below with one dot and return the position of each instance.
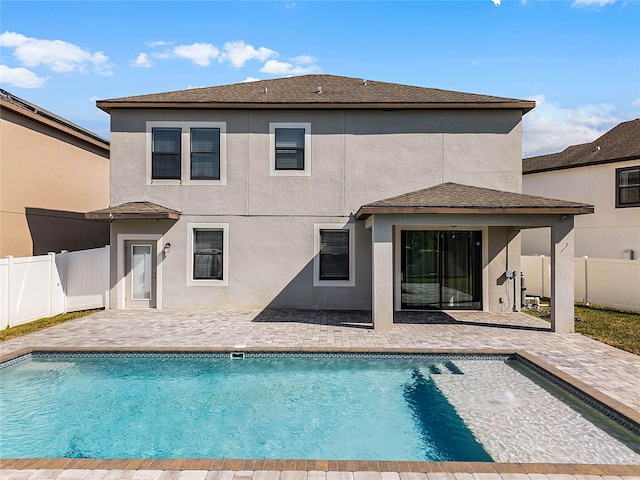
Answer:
(610, 371)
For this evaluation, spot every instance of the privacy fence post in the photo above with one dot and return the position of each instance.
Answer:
(64, 279)
(542, 275)
(586, 283)
(9, 289)
(52, 273)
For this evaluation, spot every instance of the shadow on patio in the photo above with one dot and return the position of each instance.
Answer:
(362, 319)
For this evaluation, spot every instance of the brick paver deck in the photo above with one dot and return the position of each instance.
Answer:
(603, 369)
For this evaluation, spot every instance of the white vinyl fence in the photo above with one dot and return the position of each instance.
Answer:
(48, 285)
(601, 281)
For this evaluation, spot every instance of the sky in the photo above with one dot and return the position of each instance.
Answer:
(578, 59)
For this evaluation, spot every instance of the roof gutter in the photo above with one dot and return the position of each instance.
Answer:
(107, 105)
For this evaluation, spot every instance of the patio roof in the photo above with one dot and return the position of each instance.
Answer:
(454, 198)
(134, 211)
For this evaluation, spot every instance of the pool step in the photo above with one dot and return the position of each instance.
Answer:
(446, 368)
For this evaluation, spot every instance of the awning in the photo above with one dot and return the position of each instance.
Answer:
(134, 211)
(454, 198)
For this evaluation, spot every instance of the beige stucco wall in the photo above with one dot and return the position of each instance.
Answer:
(357, 157)
(41, 167)
(604, 234)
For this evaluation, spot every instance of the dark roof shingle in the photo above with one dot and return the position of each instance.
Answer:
(456, 198)
(620, 143)
(304, 91)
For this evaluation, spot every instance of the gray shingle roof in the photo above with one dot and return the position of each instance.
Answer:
(618, 144)
(134, 211)
(304, 91)
(456, 198)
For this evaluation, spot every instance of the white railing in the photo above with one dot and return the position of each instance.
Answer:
(601, 281)
(48, 285)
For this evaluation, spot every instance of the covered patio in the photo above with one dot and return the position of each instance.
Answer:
(492, 220)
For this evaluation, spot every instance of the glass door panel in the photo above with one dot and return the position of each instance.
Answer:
(459, 278)
(141, 272)
(420, 269)
(441, 269)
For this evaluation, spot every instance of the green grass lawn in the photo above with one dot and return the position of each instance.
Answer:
(42, 323)
(616, 328)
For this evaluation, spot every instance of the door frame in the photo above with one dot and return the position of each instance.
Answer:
(397, 263)
(121, 258)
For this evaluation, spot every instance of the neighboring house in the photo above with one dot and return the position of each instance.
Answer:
(604, 173)
(292, 193)
(50, 171)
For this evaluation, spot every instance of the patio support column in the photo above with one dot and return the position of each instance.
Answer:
(562, 276)
(382, 275)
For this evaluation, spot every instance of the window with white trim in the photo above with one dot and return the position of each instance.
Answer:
(166, 153)
(186, 153)
(628, 187)
(334, 258)
(290, 149)
(208, 254)
(205, 153)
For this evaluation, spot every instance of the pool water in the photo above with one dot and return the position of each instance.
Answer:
(310, 407)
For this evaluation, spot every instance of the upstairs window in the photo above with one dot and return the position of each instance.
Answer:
(186, 153)
(289, 149)
(334, 254)
(205, 153)
(165, 155)
(628, 187)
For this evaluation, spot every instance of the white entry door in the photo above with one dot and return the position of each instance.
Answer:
(140, 268)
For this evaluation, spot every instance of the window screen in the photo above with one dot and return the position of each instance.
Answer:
(334, 254)
(290, 148)
(165, 156)
(207, 254)
(205, 153)
(628, 187)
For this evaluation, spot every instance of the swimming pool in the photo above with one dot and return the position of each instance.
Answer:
(329, 406)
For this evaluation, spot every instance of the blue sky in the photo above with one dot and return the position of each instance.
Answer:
(579, 59)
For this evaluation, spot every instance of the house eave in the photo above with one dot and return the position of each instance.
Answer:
(525, 107)
(132, 216)
(365, 212)
(585, 164)
(59, 125)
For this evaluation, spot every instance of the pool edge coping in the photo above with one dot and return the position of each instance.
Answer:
(554, 374)
(317, 466)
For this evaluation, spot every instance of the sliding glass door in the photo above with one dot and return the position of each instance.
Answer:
(441, 269)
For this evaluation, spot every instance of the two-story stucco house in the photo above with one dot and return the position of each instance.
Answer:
(324, 192)
(604, 173)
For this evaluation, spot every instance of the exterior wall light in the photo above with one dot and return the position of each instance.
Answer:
(167, 248)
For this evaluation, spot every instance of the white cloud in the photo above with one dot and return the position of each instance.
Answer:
(250, 79)
(303, 59)
(200, 53)
(59, 56)
(142, 60)
(636, 103)
(238, 53)
(550, 128)
(20, 77)
(276, 67)
(588, 3)
(157, 43)
(496, 2)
